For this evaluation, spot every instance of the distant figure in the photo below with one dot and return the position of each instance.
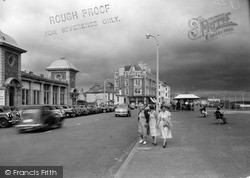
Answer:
(186, 105)
(178, 105)
(203, 111)
(219, 115)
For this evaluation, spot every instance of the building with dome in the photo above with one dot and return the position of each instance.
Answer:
(25, 88)
(64, 70)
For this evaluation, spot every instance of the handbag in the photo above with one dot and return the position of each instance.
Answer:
(167, 124)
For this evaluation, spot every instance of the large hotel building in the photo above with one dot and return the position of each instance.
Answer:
(136, 83)
(25, 88)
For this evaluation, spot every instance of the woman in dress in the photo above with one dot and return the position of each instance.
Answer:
(165, 124)
(143, 119)
(153, 119)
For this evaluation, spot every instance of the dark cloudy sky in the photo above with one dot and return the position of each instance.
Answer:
(207, 67)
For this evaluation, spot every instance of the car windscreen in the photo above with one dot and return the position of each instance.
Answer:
(122, 106)
(31, 113)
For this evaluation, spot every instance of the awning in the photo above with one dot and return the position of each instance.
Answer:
(153, 100)
(186, 96)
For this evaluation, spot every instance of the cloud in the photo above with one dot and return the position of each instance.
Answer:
(193, 65)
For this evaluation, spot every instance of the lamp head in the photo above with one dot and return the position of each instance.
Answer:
(147, 35)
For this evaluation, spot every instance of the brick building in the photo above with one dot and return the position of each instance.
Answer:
(25, 88)
(135, 83)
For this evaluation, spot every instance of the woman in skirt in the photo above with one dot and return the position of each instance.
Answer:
(143, 119)
(165, 124)
(153, 119)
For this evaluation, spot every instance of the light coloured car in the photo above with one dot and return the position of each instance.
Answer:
(122, 110)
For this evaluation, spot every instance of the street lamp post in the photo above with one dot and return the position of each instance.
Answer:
(104, 90)
(157, 70)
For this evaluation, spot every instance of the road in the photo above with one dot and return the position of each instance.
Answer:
(87, 146)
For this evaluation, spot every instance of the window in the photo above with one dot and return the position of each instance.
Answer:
(11, 60)
(137, 91)
(137, 82)
(116, 83)
(55, 93)
(126, 74)
(46, 93)
(126, 82)
(36, 95)
(126, 91)
(62, 96)
(58, 76)
(25, 96)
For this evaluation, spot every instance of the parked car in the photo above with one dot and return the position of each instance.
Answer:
(111, 108)
(77, 110)
(96, 109)
(8, 117)
(90, 109)
(39, 117)
(123, 110)
(84, 110)
(57, 109)
(68, 111)
(74, 111)
(104, 109)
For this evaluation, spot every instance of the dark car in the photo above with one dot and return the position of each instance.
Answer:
(84, 110)
(8, 116)
(90, 109)
(104, 109)
(39, 118)
(111, 108)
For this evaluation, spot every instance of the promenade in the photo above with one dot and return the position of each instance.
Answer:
(199, 148)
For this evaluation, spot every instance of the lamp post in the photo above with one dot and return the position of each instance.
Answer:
(157, 70)
(104, 90)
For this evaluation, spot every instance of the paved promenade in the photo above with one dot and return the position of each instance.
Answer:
(199, 148)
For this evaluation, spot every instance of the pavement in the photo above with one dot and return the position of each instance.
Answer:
(199, 148)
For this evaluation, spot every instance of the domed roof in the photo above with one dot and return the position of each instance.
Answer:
(7, 39)
(61, 64)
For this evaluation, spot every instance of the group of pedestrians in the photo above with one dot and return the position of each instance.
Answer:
(157, 125)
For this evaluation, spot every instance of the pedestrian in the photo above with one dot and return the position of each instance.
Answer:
(165, 124)
(219, 115)
(143, 120)
(153, 119)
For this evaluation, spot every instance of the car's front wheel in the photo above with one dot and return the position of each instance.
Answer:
(4, 123)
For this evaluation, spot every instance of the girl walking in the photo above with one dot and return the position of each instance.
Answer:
(165, 124)
(153, 119)
(143, 119)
